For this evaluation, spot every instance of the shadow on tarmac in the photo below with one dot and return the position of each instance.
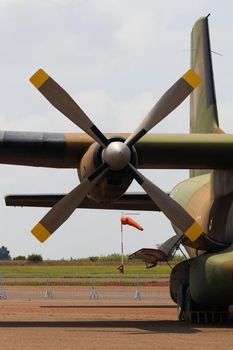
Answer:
(108, 306)
(148, 326)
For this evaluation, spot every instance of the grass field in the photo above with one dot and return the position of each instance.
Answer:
(76, 268)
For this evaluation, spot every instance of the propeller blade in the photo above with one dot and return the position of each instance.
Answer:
(174, 211)
(166, 104)
(66, 206)
(60, 99)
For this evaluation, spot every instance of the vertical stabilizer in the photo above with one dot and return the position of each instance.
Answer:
(203, 106)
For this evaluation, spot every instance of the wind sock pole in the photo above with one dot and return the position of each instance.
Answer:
(121, 269)
(126, 220)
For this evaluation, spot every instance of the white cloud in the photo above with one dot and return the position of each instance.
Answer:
(115, 115)
(135, 34)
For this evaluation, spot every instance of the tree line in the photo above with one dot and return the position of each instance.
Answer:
(5, 255)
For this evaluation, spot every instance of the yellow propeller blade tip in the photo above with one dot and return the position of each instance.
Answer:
(39, 78)
(194, 231)
(192, 78)
(40, 232)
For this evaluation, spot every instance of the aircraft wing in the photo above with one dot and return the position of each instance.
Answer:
(155, 151)
(129, 201)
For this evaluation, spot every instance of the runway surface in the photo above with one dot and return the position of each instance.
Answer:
(103, 325)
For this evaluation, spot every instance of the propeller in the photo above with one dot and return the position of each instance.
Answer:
(173, 210)
(62, 210)
(166, 104)
(62, 101)
(116, 155)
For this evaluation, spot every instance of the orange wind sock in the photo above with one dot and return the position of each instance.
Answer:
(126, 220)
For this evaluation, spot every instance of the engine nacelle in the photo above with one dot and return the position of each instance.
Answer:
(114, 183)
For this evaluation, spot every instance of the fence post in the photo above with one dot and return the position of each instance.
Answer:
(48, 293)
(93, 293)
(2, 290)
(137, 295)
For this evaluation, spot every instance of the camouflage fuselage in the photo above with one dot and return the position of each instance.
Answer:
(211, 275)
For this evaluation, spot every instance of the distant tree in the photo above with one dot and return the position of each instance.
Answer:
(20, 257)
(4, 253)
(178, 258)
(112, 257)
(35, 258)
(93, 258)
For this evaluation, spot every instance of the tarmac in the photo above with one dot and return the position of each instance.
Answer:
(101, 324)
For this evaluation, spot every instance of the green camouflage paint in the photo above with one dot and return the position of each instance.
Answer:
(203, 107)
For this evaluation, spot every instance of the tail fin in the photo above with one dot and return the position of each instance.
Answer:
(203, 106)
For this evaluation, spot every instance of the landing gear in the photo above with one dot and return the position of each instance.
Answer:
(181, 303)
(190, 312)
(185, 304)
(189, 307)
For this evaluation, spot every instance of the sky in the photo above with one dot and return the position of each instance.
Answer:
(115, 58)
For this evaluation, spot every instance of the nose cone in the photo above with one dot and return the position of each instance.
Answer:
(116, 155)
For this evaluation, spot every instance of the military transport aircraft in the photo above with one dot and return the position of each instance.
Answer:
(200, 208)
